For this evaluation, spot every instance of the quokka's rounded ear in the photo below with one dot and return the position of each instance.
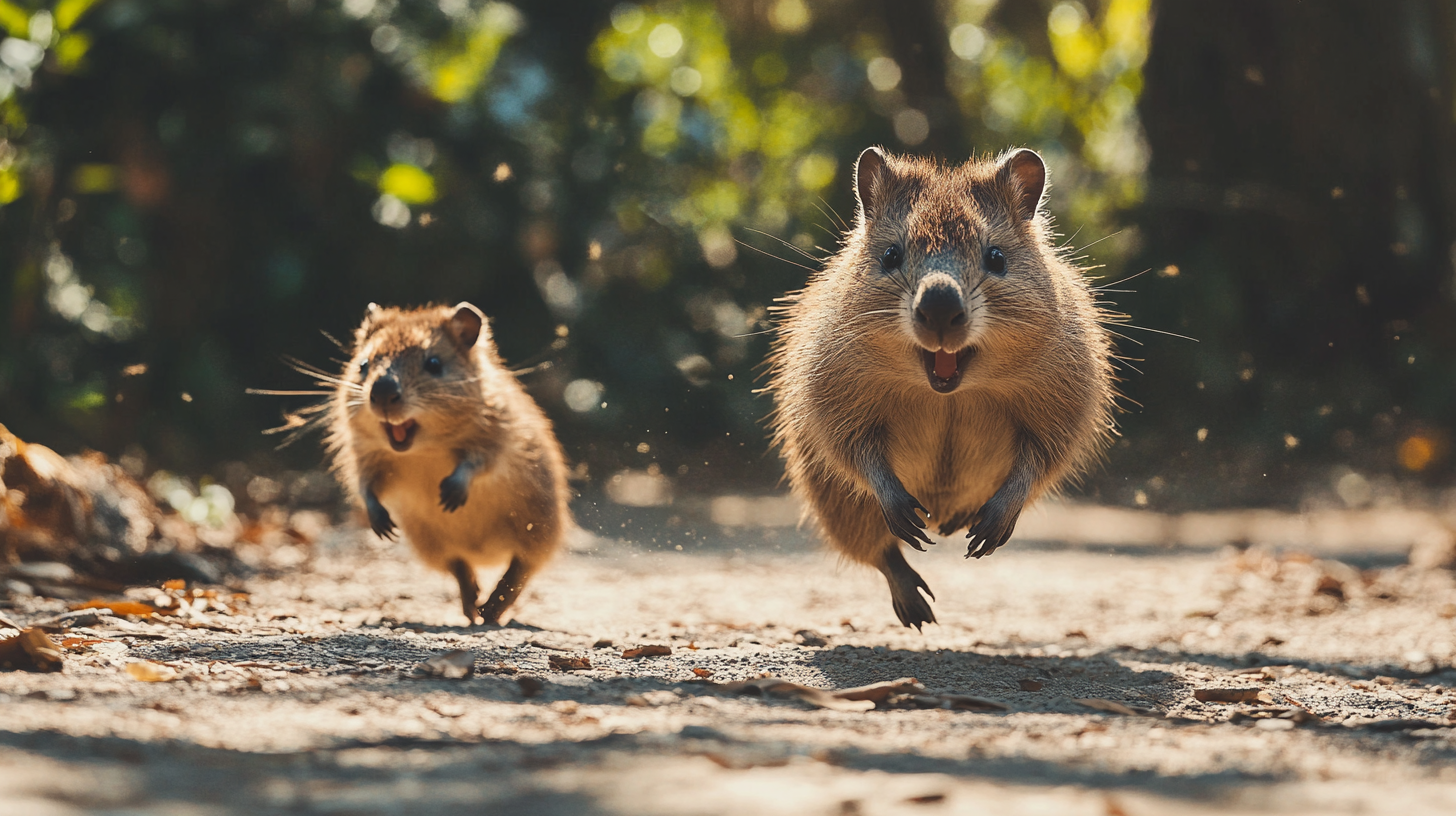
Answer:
(466, 325)
(371, 313)
(870, 173)
(1025, 171)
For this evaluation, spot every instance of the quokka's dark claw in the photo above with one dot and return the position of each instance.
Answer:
(453, 493)
(382, 525)
(379, 520)
(992, 529)
(904, 523)
(905, 585)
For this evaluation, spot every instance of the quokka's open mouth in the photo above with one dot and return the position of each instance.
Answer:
(401, 436)
(944, 369)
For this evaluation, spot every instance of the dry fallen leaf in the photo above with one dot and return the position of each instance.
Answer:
(652, 650)
(31, 650)
(775, 687)
(81, 643)
(703, 672)
(877, 692)
(453, 665)
(568, 663)
(118, 607)
(149, 672)
(1232, 695)
(1114, 707)
(176, 584)
(1028, 684)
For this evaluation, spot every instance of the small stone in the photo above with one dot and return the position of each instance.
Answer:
(809, 637)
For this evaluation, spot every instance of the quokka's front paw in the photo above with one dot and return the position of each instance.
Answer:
(379, 520)
(454, 490)
(993, 527)
(904, 523)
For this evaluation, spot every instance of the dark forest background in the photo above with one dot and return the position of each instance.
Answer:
(193, 189)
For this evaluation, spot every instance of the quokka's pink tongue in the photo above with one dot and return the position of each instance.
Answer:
(398, 432)
(945, 365)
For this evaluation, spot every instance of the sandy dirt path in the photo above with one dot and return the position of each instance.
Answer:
(301, 699)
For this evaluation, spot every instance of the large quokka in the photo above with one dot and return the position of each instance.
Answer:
(949, 359)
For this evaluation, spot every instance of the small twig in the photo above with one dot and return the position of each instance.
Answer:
(69, 620)
(10, 624)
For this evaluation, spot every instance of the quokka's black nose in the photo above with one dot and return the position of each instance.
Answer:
(940, 309)
(384, 392)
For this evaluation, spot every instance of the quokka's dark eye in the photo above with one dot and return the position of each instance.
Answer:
(994, 260)
(434, 366)
(892, 257)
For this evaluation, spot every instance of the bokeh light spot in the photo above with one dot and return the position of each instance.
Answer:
(95, 178)
(391, 212)
(911, 126)
(627, 18)
(1417, 452)
(408, 183)
(665, 40)
(685, 81)
(790, 16)
(816, 171)
(1066, 19)
(883, 73)
(967, 41)
(357, 8)
(582, 396)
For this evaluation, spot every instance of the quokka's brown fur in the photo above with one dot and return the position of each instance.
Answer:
(910, 373)
(431, 432)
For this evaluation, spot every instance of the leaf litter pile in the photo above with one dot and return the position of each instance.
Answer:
(1153, 672)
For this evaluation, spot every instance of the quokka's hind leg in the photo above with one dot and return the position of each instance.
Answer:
(469, 589)
(855, 524)
(507, 590)
(905, 584)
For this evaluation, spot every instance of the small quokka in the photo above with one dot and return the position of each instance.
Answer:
(436, 437)
(949, 360)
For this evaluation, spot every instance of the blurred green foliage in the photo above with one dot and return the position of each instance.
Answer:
(192, 189)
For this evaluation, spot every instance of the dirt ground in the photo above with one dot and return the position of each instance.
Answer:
(303, 696)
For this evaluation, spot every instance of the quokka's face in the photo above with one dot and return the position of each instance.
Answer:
(952, 252)
(410, 372)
